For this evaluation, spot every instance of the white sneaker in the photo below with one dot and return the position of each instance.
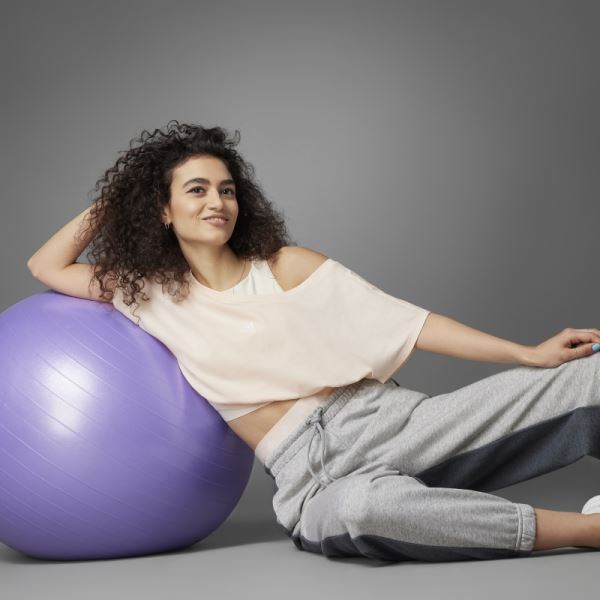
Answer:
(591, 506)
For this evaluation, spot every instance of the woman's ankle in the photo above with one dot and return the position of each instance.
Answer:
(558, 529)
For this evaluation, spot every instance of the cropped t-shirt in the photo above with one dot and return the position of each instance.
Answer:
(254, 344)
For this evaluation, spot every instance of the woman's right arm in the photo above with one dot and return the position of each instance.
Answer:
(54, 264)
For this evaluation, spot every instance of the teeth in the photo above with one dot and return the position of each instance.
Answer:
(216, 219)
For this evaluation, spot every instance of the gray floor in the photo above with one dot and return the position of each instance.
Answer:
(249, 556)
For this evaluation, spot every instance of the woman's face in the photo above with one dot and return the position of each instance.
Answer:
(201, 187)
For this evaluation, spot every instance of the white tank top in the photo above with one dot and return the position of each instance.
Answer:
(259, 280)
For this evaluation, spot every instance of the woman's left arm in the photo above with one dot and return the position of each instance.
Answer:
(444, 335)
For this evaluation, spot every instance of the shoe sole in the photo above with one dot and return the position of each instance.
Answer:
(591, 506)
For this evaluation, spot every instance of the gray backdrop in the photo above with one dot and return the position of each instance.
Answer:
(447, 151)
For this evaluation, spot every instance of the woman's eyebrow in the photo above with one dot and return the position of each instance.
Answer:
(204, 180)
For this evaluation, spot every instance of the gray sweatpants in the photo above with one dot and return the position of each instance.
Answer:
(393, 474)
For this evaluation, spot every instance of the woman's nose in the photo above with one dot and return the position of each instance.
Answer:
(215, 199)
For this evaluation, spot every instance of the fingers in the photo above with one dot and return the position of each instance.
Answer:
(585, 350)
(578, 336)
(592, 330)
(584, 342)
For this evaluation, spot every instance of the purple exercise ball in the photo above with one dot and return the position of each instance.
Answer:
(106, 451)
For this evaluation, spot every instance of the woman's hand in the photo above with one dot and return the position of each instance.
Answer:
(567, 345)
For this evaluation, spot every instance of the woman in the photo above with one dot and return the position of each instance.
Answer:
(293, 348)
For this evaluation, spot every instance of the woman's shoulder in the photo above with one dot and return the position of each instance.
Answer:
(291, 265)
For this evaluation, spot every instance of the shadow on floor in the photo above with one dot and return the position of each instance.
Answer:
(232, 533)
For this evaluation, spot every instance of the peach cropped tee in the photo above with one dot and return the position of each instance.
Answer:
(255, 343)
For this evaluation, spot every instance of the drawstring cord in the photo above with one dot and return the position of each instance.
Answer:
(315, 420)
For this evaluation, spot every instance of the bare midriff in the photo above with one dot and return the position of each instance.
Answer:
(252, 427)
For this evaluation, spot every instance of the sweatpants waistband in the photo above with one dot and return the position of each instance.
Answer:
(290, 421)
(307, 416)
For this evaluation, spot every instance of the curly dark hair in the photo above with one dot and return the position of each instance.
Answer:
(128, 239)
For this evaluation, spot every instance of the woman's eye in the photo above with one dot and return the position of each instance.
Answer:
(201, 188)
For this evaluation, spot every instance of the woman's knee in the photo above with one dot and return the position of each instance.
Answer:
(584, 376)
(349, 502)
(376, 498)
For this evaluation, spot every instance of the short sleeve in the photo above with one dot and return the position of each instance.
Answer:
(382, 329)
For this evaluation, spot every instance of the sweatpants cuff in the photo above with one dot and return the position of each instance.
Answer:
(527, 528)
